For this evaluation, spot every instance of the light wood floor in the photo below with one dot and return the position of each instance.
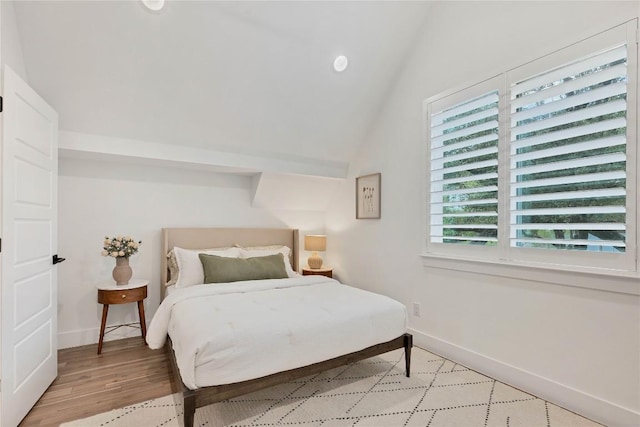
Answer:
(126, 372)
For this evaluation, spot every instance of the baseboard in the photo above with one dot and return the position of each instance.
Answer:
(90, 336)
(589, 406)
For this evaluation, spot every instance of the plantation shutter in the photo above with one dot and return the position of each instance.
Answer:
(568, 156)
(464, 172)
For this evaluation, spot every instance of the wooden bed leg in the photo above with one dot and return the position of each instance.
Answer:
(189, 405)
(408, 343)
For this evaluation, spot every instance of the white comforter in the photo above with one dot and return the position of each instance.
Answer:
(226, 333)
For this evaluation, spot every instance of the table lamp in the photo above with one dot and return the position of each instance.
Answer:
(315, 243)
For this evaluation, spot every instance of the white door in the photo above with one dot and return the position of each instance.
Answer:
(29, 241)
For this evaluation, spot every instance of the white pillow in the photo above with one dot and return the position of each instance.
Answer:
(284, 250)
(190, 271)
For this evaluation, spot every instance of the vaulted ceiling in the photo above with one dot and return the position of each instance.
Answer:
(247, 77)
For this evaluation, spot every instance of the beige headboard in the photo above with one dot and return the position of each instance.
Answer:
(202, 238)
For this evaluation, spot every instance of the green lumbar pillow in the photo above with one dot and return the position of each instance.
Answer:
(219, 269)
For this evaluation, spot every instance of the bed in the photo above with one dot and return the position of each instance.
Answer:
(293, 323)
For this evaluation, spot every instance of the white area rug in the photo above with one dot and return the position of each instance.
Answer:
(374, 392)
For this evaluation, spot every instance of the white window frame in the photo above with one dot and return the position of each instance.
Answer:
(477, 90)
(622, 265)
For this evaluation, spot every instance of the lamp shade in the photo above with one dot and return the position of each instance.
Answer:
(315, 242)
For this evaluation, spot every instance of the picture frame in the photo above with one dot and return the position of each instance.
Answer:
(368, 196)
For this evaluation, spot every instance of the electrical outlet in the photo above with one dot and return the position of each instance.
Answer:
(416, 309)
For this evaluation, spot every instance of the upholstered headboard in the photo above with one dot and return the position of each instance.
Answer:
(202, 238)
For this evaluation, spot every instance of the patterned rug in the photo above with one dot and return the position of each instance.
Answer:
(374, 392)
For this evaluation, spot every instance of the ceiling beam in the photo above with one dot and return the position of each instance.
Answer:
(81, 145)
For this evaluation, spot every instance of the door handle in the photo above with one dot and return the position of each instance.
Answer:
(57, 259)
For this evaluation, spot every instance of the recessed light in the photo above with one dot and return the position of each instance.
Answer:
(153, 5)
(340, 63)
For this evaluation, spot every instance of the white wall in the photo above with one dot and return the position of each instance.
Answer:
(11, 47)
(98, 198)
(577, 347)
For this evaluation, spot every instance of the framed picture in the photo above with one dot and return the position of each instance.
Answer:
(368, 196)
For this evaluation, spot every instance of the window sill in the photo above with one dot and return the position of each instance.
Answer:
(599, 279)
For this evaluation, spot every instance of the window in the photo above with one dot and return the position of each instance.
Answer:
(464, 172)
(539, 163)
(568, 161)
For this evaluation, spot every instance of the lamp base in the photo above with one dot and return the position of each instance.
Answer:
(315, 260)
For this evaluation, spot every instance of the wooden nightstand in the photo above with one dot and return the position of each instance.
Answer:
(324, 271)
(135, 291)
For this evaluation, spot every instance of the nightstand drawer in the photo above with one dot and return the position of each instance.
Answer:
(121, 296)
(326, 271)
